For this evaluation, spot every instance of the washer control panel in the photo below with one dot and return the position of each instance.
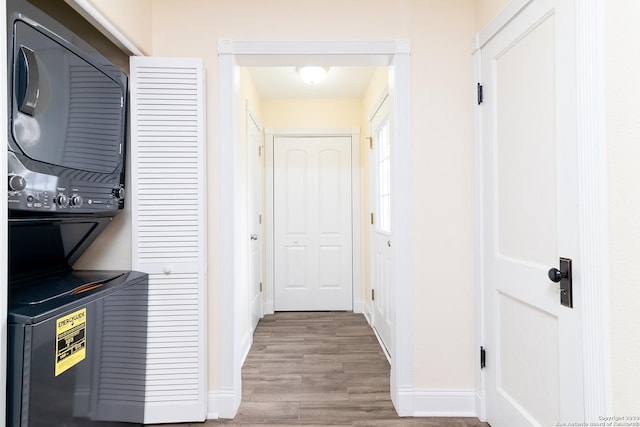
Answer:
(40, 192)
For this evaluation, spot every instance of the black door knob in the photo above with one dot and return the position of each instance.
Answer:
(556, 275)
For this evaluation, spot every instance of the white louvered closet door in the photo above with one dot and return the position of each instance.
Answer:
(168, 203)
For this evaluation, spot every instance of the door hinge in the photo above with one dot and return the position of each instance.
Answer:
(483, 357)
(370, 142)
(259, 218)
(259, 150)
(480, 94)
(373, 294)
(260, 286)
(371, 218)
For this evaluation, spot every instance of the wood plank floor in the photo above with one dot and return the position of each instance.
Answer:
(319, 369)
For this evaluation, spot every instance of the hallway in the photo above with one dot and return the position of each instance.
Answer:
(320, 368)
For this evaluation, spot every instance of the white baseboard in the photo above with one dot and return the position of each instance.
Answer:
(358, 307)
(417, 403)
(222, 404)
(367, 311)
(267, 308)
(213, 405)
(444, 403)
(481, 408)
(245, 346)
(403, 400)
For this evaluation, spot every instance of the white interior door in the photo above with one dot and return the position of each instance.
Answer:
(381, 283)
(254, 147)
(312, 223)
(169, 229)
(533, 343)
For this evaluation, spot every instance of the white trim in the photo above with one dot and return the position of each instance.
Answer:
(232, 228)
(227, 403)
(252, 116)
(356, 215)
(247, 341)
(593, 203)
(444, 403)
(269, 301)
(354, 134)
(376, 106)
(104, 25)
(393, 53)
(478, 239)
(346, 131)
(402, 329)
(4, 268)
(213, 405)
(509, 12)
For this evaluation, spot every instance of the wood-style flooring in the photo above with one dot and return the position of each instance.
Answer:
(319, 369)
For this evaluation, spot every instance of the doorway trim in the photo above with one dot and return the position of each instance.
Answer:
(235, 53)
(593, 271)
(354, 134)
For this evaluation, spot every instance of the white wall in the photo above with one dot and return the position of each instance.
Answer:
(622, 69)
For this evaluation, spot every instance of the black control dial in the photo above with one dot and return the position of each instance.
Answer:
(118, 192)
(76, 200)
(17, 183)
(61, 200)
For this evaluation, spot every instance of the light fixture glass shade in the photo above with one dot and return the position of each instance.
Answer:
(312, 74)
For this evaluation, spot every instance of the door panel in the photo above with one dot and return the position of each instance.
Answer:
(254, 146)
(533, 342)
(312, 223)
(381, 284)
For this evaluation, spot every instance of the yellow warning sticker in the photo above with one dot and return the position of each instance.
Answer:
(71, 340)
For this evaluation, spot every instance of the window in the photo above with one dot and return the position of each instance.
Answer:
(384, 178)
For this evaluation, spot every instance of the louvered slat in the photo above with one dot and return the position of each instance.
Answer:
(168, 205)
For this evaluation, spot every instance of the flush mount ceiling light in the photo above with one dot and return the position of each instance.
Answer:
(312, 74)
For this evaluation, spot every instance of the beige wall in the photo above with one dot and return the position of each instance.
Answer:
(622, 68)
(131, 18)
(487, 10)
(441, 146)
(311, 113)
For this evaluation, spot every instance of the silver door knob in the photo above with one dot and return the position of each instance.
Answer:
(254, 237)
(389, 243)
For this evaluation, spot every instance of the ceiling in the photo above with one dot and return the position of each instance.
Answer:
(284, 82)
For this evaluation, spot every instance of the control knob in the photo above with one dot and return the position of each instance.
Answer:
(118, 192)
(17, 183)
(61, 200)
(76, 200)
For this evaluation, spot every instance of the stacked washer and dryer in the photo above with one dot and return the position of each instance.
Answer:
(77, 339)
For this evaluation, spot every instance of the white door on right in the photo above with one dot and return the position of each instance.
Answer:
(530, 219)
(381, 284)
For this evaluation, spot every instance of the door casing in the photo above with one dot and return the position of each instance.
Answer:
(232, 54)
